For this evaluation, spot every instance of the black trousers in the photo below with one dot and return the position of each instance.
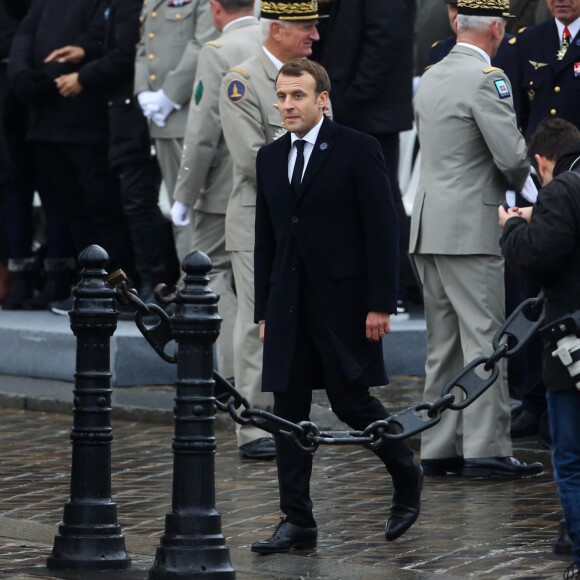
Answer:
(89, 196)
(150, 234)
(409, 288)
(317, 365)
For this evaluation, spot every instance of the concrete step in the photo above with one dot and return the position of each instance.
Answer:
(42, 345)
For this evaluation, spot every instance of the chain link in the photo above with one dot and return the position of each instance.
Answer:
(473, 380)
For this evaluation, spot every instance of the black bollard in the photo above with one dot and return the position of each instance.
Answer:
(89, 537)
(193, 545)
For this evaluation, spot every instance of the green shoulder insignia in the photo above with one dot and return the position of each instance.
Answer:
(512, 40)
(435, 43)
(215, 43)
(198, 92)
(240, 71)
(489, 69)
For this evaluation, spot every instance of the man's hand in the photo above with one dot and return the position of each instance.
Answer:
(504, 216)
(262, 331)
(68, 85)
(66, 54)
(377, 325)
(180, 213)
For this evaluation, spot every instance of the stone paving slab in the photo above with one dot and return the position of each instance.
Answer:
(469, 527)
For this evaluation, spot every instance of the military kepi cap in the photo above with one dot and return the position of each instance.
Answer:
(484, 8)
(289, 9)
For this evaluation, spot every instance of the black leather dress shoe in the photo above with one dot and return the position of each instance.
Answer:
(500, 467)
(404, 509)
(287, 537)
(524, 424)
(262, 448)
(442, 467)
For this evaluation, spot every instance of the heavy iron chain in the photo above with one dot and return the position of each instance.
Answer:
(511, 337)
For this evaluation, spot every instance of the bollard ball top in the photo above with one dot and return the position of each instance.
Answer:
(93, 258)
(196, 264)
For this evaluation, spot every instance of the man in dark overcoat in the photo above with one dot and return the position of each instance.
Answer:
(326, 283)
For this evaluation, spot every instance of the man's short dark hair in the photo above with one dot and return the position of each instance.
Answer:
(298, 66)
(551, 138)
(236, 5)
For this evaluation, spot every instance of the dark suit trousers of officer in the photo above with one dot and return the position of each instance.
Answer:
(316, 365)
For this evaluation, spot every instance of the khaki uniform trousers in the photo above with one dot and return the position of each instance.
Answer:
(247, 346)
(208, 236)
(169, 153)
(464, 307)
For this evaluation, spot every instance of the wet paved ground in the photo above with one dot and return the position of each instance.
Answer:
(469, 528)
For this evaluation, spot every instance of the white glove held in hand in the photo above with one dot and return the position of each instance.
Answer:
(180, 213)
(529, 192)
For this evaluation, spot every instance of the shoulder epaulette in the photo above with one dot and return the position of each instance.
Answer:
(512, 40)
(435, 43)
(215, 43)
(429, 66)
(241, 71)
(520, 30)
(489, 69)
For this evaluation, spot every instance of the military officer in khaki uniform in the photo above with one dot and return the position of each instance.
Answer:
(205, 178)
(471, 150)
(173, 32)
(249, 120)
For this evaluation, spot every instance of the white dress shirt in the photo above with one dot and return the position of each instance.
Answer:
(310, 140)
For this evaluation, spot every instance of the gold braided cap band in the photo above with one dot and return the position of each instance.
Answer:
(499, 8)
(290, 10)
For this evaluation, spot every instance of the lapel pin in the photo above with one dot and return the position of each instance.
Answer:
(323, 146)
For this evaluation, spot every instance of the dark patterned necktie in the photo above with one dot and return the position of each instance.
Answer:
(298, 166)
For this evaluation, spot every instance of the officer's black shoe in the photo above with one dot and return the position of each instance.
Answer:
(500, 467)
(287, 537)
(262, 448)
(404, 509)
(524, 424)
(442, 467)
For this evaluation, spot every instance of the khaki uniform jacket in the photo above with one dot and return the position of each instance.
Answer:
(172, 37)
(205, 178)
(248, 123)
(471, 151)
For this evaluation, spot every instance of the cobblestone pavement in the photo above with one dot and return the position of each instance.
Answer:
(468, 527)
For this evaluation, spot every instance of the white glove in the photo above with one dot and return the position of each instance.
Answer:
(147, 102)
(165, 107)
(529, 192)
(180, 213)
(158, 119)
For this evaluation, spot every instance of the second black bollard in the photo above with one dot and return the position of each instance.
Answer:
(193, 545)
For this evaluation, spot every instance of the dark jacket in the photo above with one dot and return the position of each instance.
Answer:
(504, 59)
(547, 252)
(341, 233)
(368, 53)
(113, 74)
(52, 24)
(545, 86)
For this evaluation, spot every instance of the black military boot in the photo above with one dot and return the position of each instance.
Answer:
(22, 274)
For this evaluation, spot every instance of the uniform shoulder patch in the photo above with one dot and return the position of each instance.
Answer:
(512, 40)
(435, 43)
(215, 43)
(240, 71)
(236, 90)
(502, 89)
(491, 69)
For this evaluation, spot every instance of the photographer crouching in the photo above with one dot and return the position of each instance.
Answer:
(542, 243)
